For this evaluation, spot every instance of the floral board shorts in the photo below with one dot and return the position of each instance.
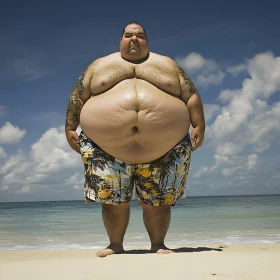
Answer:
(111, 181)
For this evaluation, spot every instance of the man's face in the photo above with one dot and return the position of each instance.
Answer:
(134, 45)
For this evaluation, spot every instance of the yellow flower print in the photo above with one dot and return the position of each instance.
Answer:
(154, 193)
(169, 198)
(155, 203)
(144, 172)
(86, 154)
(145, 195)
(103, 193)
(148, 185)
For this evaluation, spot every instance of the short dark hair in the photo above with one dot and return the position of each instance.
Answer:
(135, 22)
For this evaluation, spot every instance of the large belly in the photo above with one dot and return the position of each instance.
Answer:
(135, 121)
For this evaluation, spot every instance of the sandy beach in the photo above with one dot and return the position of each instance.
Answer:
(228, 262)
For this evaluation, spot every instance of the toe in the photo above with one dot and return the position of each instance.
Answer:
(104, 253)
(164, 251)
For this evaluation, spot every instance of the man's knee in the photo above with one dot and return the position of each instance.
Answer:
(116, 207)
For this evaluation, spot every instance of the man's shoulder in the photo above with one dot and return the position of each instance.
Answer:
(108, 59)
(163, 58)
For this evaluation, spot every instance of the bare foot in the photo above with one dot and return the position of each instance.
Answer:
(161, 249)
(110, 250)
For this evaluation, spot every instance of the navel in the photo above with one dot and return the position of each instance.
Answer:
(134, 129)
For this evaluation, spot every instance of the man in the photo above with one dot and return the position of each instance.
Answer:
(135, 108)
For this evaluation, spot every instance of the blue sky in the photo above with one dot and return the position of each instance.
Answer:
(230, 50)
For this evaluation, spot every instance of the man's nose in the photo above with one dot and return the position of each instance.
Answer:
(134, 37)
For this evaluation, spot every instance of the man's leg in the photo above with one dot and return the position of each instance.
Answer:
(157, 220)
(115, 218)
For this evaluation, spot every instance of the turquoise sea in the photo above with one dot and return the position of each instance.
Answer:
(195, 221)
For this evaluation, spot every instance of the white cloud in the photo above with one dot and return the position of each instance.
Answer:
(228, 149)
(220, 160)
(51, 152)
(18, 171)
(36, 178)
(201, 171)
(3, 155)
(235, 70)
(4, 188)
(76, 181)
(46, 166)
(264, 129)
(205, 71)
(24, 189)
(193, 61)
(247, 124)
(12, 161)
(264, 69)
(227, 95)
(210, 111)
(227, 172)
(247, 119)
(205, 79)
(232, 117)
(10, 134)
(252, 161)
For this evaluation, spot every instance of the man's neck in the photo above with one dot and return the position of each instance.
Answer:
(137, 61)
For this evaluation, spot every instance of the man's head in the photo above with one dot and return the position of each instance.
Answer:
(134, 43)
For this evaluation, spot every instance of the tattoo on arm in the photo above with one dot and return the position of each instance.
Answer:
(79, 87)
(75, 104)
(73, 112)
(188, 81)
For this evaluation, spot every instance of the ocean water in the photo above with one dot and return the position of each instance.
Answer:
(195, 221)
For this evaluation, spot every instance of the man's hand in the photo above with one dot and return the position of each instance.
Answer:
(197, 137)
(73, 140)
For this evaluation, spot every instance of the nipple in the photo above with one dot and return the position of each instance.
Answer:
(135, 129)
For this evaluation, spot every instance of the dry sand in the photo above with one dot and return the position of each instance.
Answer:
(213, 262)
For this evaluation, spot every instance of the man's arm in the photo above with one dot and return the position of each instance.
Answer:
(79, 96)
(190, 96)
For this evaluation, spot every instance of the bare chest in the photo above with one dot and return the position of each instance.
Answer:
(161, 76)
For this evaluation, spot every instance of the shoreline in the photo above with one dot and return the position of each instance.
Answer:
(204, 262)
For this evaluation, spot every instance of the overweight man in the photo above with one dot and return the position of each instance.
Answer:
(135, 108)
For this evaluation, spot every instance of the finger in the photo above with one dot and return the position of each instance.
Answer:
(197, 144)
(76, 138)
(194, 148)
(75, 147)
(76, 150)
(193, 136)
(75, 142)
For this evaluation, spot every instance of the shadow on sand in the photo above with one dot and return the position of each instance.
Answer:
(177, 250)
